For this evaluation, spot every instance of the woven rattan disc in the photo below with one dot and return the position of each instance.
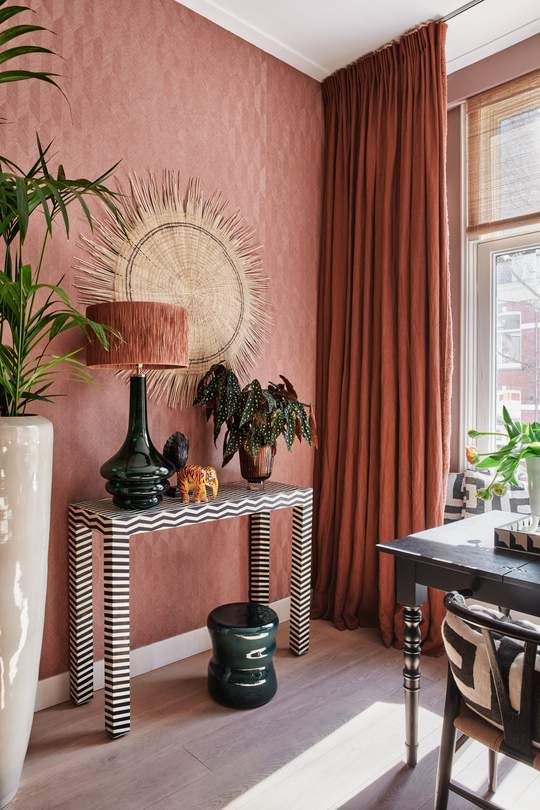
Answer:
(178, 247)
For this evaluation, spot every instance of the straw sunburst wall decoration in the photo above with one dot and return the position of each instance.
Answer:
(178, 247)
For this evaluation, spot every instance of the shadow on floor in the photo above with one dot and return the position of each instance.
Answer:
(414, 788)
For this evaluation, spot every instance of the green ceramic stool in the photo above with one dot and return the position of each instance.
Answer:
(241, 671)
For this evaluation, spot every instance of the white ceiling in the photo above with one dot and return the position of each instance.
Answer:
(320, 36)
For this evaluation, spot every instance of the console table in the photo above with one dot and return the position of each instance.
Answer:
(118, 526)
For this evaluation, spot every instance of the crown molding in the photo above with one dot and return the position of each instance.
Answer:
(275, 47)
(528, 29)
(256, 36)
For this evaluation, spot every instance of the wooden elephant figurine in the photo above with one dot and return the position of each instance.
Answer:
(193, 480)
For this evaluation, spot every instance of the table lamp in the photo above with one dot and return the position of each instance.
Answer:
(153, 335)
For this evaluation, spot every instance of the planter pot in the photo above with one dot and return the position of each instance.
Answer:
(257, 470)
(26, 444)
(533, 481)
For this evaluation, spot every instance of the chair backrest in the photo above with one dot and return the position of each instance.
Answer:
(502, 654)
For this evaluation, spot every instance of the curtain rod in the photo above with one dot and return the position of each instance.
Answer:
(461, 9)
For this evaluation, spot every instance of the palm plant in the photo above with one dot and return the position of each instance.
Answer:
(32, 313)
(254, 417)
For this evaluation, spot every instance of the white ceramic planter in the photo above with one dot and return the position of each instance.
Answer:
(26, 445)
(533, 483)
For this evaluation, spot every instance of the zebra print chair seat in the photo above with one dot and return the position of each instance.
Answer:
(493, 690)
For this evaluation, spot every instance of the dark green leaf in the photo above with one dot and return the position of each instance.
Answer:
(22, 205)
(17, 31)
(22, 50)
(11, 11)
(21, 75)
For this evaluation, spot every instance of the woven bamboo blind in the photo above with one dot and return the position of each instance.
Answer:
(503, 141)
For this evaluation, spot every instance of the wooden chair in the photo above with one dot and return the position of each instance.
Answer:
(487, 652)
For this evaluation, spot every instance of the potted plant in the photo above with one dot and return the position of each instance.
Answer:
(255, 418)
(32, 315)
(522, 444)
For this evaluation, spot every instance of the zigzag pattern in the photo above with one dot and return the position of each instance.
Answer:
(116, 630)
(233, 501)
(117, 526)
(259, 557)
(81, 631)
(301, 578)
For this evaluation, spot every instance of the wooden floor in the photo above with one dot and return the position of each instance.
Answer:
(331, 738)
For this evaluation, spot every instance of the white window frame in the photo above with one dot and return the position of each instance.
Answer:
(478, 327)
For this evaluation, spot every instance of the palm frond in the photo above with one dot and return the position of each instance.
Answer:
(27, 368)
(7, 55)
(21, 193)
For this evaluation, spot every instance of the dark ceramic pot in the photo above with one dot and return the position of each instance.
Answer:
(257, 470)
(241, 672)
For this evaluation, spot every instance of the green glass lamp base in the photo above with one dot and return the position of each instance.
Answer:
(135, 495)
(137, 474)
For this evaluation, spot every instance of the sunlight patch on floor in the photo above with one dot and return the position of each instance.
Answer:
(342, 764)
(514, 778)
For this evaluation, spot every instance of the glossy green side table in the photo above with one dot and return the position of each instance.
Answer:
(241, 672)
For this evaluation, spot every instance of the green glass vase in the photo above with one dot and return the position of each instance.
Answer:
(137, 474)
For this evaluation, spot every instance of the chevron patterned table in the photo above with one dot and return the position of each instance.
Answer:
(118, 526)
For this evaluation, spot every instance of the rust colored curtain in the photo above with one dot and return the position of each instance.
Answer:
(384, 342)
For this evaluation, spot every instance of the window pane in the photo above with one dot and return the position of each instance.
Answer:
(503, 155)
(517, 361)
(517, 146)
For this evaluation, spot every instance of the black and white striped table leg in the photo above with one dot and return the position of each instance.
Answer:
(116, 631)
(81, 625)
(259, 557)
(301, 578)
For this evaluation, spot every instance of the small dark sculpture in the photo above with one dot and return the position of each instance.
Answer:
(176, 451)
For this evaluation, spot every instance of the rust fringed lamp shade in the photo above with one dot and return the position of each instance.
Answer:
(152, 335)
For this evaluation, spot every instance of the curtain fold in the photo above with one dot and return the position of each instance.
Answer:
(384, 340)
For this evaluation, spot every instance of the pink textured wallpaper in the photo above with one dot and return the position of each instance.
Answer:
(156, 85)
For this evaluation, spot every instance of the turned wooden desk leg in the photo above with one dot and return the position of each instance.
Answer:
(116, 626)
(301, 578)
(81, 630)
(259, 557)
(412, 616)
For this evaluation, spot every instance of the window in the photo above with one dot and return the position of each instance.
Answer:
(500, 316)
(503, 144)
(508, 329)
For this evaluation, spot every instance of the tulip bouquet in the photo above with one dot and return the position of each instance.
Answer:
(522, 444)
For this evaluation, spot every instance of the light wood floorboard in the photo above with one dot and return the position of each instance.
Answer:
(331, 738)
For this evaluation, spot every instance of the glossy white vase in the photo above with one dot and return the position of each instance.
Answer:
(533, 483)
(26, 446)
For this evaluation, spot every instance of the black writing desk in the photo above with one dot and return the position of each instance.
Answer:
(458, 556)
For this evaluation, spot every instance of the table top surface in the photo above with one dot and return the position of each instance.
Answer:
(466, 544)
(232, 499)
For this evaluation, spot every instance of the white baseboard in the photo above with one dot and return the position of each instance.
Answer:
(52, 691)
